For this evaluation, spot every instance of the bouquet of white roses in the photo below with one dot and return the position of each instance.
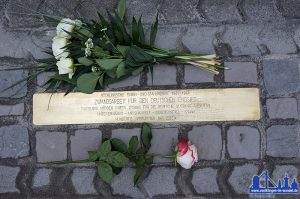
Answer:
(91, 55)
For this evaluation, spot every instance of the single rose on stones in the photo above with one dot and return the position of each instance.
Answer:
(187, 154)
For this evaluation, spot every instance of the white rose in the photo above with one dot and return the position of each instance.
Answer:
(65, 66)
(187, 154)
(57, 45)
(67, 25)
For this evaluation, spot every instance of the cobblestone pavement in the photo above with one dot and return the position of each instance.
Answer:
(259, 41)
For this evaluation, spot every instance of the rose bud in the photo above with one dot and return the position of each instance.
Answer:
(186, 154)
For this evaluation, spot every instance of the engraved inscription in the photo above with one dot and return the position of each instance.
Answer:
(148, 106)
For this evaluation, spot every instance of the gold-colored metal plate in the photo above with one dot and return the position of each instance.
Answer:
(156, 106)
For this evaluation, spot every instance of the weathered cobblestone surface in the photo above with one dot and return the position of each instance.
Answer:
(14, 141)
(205, 180)
(8, 177)
(258, 40)
(243, 142)
(42, 178)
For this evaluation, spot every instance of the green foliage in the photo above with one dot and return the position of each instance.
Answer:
(153, 32)
(119, 145)
(87, 82)
(105, 171)
(104, 149)
(114, 154)
(137, 57)
(117, 159)
(133, 144)
(85, 61)
(108, 64)
(146, 136)
(121, 8)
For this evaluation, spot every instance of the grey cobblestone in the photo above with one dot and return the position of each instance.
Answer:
(43, 78)
(193, 74)
(205, 180)
(42, 178)
(279, 40)
(8, 177)
(168, 37)
(122, 184)
(242, 39)
(169, 138)
(8, 78)
(159, 75)
(88, 9)
(24, 44)
(281, 76)
(16, 20)
(241, 177)
(161, 181)
(82, 180)
(261, 11)
(244, 32)
(243, 142)
(184, 11)
(14, 141)
(221, 11)
(290, 9)
(51, 146)
(204, 137)
(284, 108)
(144, 8)
(200, 39)
(282, 141)
(241, 72)
(17, 109)
(84, 141)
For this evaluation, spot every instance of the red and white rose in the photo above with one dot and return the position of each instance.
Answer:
(187, 154)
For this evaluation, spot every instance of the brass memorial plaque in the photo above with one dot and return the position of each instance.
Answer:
(153, 106)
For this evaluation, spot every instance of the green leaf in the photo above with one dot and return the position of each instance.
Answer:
(141, 31)
(101, 80)
(85, 61)
(117, 159)
(119, 145)
(153, 32)
(133, 144)
(146, 135)
(149, 160)
(121, 8)
(137, 71)
(99, 52)
(116, 170)
(93, 155)
(140, 162)
(64, 78)
(138, 172)
(104, 149)
(123, 49)
(121, 70)
(86, 83)
(136, 56)
(135, 31)
(111, 73)
(85, 32)
(105, 172)
(108, 64)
